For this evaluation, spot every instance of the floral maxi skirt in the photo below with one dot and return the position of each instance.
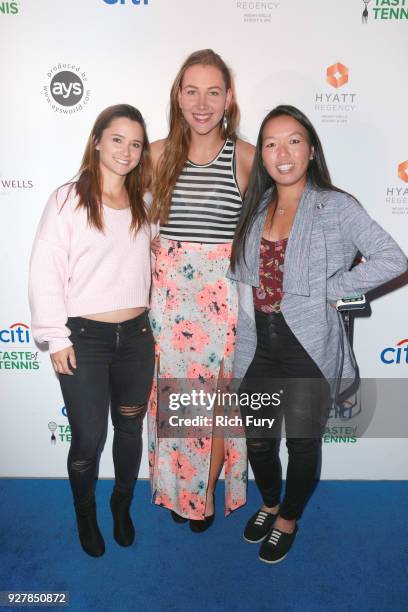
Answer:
(193, 316)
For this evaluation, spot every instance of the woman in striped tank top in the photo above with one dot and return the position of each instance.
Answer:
(202, 170)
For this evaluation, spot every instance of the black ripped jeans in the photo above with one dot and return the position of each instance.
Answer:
(115, 363)
(282, 364)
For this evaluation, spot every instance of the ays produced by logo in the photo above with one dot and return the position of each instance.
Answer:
(336, 107)
(66, 91)
(15, 353)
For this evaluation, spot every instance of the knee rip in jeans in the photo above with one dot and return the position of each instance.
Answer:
(258, 445)
(82, 465)
(133, 411)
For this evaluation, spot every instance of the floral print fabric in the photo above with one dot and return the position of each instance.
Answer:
(268, 296)
(193, 317)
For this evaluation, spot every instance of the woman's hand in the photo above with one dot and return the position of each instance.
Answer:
(155, 245)
(64, 360)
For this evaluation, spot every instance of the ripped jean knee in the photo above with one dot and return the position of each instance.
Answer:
(128, 418)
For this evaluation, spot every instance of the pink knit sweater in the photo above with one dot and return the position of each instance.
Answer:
(77, 270)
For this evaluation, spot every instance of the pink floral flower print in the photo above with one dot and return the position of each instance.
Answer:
(198, 370)
(222, 251)
(175, 253)
(198, 446)
(189, 336)
(232, 502)
(180, 465)
(162, 499)
(230, 341)
(195, 337)
(202, 446)
(153, 400)
(191, 503)
(172, 302)
(213, 299)
(232, 457)
(152, 458)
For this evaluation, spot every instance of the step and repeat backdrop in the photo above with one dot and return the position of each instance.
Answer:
(343, 63)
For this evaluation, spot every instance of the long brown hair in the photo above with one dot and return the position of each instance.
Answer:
(177, 142)
(89, 184)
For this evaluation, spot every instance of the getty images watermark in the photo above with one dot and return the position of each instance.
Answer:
(295, 408)
(227, 409)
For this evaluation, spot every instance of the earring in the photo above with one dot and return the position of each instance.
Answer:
(225, 121)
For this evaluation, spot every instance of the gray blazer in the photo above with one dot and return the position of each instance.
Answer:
(328, 231)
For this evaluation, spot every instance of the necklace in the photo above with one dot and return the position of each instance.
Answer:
(280, 210)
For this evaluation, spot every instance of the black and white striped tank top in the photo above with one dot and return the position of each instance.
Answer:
(206, 201)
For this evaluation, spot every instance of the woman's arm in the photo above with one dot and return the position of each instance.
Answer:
(384, 258)
(48, 278)
(244, 155)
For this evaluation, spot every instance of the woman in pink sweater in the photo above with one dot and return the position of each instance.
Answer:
(89, 290)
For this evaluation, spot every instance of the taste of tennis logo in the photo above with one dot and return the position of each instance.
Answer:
(396, 195)
(336, 106)
(60, 431)
(67, 89)
(9, 8)
(385, 10)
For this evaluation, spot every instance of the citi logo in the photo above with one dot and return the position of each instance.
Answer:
(392, 355)
(18, 333)
(136, 2)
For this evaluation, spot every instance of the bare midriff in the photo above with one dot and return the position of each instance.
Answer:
(116, 316)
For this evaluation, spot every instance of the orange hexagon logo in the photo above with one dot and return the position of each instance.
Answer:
(403, 171)
(337, 75)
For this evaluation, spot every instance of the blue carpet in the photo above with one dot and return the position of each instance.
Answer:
(351, 553)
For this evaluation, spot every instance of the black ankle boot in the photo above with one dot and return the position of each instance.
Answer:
(89, 535)
(123, 530)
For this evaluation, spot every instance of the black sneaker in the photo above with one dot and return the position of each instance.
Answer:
(276, 546)
(258, 526)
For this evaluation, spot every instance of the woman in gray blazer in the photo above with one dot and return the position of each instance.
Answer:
(292, 254)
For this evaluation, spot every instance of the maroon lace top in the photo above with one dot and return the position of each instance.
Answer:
(268, 296)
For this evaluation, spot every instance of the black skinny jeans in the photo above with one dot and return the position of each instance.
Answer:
(281, 363)
(115, 363)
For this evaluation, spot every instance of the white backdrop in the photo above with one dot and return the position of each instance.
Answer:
(129, 51)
